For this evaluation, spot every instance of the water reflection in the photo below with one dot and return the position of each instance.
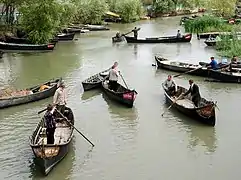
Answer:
(89, 95)
(62, 170)
(199, 135)
(122, 113)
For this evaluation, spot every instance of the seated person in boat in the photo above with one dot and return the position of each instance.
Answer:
(234, 60)
(135, 31)
(213, 64)
(50, 123)
(194, 90)
(113, 77)
(179, 34)
(170, 86)
(43, 87)
(118, 35)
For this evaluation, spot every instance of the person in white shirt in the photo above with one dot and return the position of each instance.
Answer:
(60, 98)
(169, 85)
(113, 77)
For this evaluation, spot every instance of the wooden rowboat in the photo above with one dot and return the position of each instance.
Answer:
(95, 80)
(123, 95)
(48, 155)
(65, 37)
(181, 67)
(30, 95)
(170, 39)
(26, 47)
(204, 114)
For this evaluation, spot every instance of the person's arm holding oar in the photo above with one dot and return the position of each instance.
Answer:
(192, 70)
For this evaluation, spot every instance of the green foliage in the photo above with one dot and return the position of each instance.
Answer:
(223, 7)
(230, 45)
(40, 19)
(202, 24)
(130, 10)
(90, 11)
(162, 6)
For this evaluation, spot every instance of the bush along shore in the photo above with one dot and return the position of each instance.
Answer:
(41, 19)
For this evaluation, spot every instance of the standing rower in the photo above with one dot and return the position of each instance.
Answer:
(60, 98)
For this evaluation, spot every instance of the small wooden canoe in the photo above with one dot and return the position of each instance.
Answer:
(26, 47)
(120, 39)
(96, 28)
(123, 95)
(169, 39)
(204, 114)
(65, 37)
(32, 94)
(48, 155)
(210, 42)
(95, 80)
(181, 67)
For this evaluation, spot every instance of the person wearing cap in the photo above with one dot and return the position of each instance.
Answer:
(60, 98)
(50, 123)
(179, 34)
(194, 90)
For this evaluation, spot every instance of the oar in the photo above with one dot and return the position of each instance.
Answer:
(42, 110)
(123, 80)
(130, 32)
(75, 128)
(187, 72)
(172, 104)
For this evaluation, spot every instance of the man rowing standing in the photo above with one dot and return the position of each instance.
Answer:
(194, 90)
(135, 31)
(60, 98)
(113, 77)
(50, 123)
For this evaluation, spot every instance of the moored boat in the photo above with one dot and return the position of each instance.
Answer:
(210, 42)
(95, 80)
(169, 39)
(48, 155)
(96, 28)
(205, 113)
(26, 47)
(123, 95)
(10, 98)
(65, 37)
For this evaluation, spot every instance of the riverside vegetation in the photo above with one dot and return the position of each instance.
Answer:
(41, 19)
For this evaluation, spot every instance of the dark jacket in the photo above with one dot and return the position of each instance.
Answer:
(194, 91)
(49, 120)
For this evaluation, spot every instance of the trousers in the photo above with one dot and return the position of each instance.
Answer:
(113, 85)
(50, 135)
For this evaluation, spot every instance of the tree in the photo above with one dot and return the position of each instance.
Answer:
(40, 19)
(90, 11)
(162, 6)
(223, 7)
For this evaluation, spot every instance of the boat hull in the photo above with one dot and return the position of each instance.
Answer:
(127, 97)
(171, 39)
(65, 37)
(47, 164)
(14, 101)
(94, 81)
(210, 43)
(199, 72)
(193, 112)
(26, 47)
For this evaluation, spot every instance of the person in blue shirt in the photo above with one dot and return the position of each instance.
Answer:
(213, 64)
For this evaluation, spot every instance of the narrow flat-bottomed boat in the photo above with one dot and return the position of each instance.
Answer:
(205, 113)
(95, 80)
(170, 39)
(49, 155)
(122, 95)
(12, 98)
